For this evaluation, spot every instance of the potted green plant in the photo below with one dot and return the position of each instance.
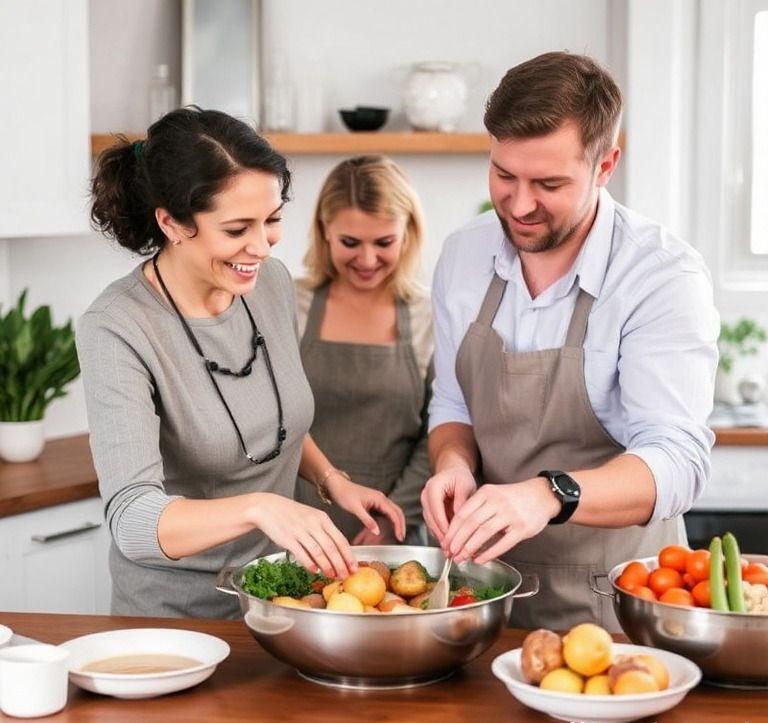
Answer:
(737, 341)
(37, 361)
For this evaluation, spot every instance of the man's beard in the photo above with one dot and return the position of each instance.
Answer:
(551, 240)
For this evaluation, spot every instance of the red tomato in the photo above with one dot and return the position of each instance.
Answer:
(689, 580)
(633, 575)
(674, 556)
(701, 594)
(677, 596)
(644, 592)
(664, 578)
(697, 565)
(756, 573)
(460, 600)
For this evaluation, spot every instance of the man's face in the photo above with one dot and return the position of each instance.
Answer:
(544, 189)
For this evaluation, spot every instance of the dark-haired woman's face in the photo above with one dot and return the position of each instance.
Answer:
(237, 235)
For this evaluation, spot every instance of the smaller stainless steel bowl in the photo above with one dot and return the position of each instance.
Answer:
(730, 648)
(363, 650)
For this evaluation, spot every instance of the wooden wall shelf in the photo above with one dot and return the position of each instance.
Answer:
(741, 436)
(352, 143)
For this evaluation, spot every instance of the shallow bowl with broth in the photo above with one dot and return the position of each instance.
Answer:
(143, 662)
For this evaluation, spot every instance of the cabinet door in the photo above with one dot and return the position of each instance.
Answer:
(61, 560)
(44, 150)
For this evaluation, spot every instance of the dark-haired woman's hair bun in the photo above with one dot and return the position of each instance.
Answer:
(188, 157)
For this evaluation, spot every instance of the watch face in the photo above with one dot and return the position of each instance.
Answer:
(567, 485)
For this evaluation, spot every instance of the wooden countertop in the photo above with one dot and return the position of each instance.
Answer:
(64, 473)
(741, 436)
(251, 685)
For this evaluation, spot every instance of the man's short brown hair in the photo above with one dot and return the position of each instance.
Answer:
(536, 97)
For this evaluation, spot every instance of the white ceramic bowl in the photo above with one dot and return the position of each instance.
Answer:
(208, 649)
(5, 635)
(683, 675)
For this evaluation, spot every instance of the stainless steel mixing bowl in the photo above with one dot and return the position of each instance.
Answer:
(730, 648)
(363, 650)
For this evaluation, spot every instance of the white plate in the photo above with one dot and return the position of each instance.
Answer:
(209, 650)
(5, 635)
(683, 675)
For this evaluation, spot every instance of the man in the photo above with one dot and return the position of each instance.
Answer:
(575, 356)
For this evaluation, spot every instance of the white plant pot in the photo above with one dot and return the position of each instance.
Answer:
(21, 441)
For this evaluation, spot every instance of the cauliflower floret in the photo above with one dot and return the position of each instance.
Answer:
(756, 597)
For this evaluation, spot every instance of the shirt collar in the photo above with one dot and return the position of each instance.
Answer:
(591, 264)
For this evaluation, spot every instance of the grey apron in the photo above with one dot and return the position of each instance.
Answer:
(530, 411)
(369, 413)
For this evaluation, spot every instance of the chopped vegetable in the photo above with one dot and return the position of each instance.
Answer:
(278, 579)
(460, 600)
(756, 597)
(733, 570)
(716, 578)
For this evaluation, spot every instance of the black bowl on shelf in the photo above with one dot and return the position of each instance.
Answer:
(364, 118)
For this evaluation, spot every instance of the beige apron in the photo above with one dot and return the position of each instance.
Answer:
(530, 412)
(370, 402)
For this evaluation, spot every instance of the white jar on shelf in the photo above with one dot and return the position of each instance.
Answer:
(435, 96)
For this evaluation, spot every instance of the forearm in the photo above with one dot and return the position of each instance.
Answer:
(188, 527)
(452, 445)
(619, 493)
(314, 464)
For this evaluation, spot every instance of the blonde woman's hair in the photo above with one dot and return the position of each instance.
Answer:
(375, 185)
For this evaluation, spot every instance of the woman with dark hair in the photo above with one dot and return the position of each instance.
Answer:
(198, 406)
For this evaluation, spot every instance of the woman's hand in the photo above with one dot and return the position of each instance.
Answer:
(307, 533)
(443, 496)
(386, 534)
(359, 501)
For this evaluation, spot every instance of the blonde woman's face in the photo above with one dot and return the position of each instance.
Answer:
(365, 249)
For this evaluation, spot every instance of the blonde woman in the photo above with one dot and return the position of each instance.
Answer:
(366, 338)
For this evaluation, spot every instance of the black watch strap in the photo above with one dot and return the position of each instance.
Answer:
(567, 490)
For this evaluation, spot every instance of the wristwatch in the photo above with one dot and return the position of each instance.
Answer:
(567, 490)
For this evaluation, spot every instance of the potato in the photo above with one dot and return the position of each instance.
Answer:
(624, 664)
(315, 600)
(382, 569)
(366, 585)
(419, 600)
(409, 579)
(657, 669)
(542, 652)
(331, 589)
(343, 602)
(371, 609)
(389, 601)
(289, 602)
(403, 609)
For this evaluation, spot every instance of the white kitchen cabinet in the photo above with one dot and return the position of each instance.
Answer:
(55, 560)
(44, 117)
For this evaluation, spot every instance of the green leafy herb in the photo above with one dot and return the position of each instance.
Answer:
(269, 579)
(490, 592)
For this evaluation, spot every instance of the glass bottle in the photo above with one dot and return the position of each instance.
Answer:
(162, 94)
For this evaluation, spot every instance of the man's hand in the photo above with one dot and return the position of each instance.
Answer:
(516, 512)
(443, 496)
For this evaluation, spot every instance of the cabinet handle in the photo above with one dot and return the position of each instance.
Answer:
(86, 527)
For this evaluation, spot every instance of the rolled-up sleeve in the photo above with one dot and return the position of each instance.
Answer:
(124, 437)
(667, 364)
(447, 403)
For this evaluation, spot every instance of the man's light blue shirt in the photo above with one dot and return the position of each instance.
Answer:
(651, 343)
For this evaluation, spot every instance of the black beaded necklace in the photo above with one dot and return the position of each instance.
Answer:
(212, 367)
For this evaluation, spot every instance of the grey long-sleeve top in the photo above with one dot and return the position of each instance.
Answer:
(159, 430)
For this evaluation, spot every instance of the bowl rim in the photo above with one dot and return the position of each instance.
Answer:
(370, 616)
(93, 675)
(616, 570)
(624, 648)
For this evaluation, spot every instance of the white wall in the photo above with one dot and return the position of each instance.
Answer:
(358, 45)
